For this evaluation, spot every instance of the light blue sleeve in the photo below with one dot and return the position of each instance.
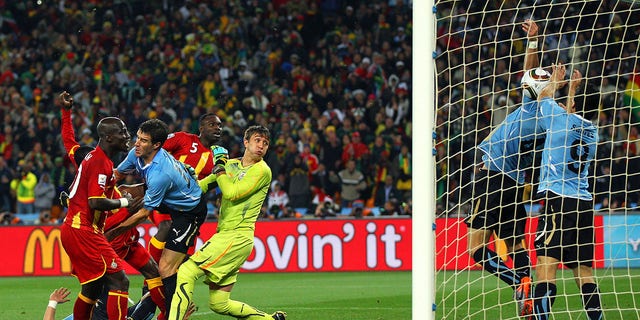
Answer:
(128, 165)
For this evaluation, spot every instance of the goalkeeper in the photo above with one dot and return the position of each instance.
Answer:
(497, 203)
(565, 228)
(244, 183)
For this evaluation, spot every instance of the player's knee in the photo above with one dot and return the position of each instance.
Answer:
(119, 282)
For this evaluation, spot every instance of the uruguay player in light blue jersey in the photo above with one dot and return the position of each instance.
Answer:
(565, 228)
(497, 195)
(172, 189)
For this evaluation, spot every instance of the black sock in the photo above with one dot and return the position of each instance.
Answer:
(169, 288)
(544, 294)
(492, 263)
(591, 301)
(522, 263)
(144, 309)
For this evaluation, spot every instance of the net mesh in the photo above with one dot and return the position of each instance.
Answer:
(479, 63)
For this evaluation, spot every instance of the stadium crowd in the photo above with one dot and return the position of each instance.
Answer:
(479, 83)
(330, 79)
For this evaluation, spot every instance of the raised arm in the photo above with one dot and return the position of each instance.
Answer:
(574, 83)
(531, 59)
(68, 134)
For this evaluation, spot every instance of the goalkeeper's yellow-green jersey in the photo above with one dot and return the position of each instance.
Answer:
(243, 192)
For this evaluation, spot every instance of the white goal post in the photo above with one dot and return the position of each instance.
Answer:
(479, 58)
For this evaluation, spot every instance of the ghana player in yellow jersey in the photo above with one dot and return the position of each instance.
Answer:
(244, 183)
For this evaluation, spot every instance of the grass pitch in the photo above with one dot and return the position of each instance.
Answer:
(478, 295)
(308, 296)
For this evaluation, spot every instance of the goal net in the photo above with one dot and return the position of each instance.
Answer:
(480, 53)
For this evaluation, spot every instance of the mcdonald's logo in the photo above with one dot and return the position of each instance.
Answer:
(47, 244)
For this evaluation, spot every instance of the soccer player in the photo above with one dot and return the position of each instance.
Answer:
(198, 151)
(170, 188)
(565, 228)
(126, 245)
(94, 261)
(497, 203)
(244, 183)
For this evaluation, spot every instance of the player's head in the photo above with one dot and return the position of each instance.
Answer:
(210, 127)
(150, 137)
(113, 134)
(256, 140)
(534, 81)
(156, 129)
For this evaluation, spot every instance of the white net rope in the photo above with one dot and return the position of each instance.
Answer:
(479, 63)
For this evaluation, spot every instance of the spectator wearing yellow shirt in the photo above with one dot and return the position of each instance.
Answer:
(23, 187)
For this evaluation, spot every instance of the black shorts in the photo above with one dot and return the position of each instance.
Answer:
(185, 226)
(565, 231)
(497, 205)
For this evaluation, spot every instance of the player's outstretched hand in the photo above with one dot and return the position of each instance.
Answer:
(576, 79)
(66, 100)
(530, 27)
(60, 295)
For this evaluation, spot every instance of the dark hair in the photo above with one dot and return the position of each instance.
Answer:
(206, 115)
(80, 153)
(260, 130)
(157, 129)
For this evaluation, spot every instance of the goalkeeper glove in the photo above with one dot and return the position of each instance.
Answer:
(220, 155)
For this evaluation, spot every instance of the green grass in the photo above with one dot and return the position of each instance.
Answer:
(478, 295)
(308, 296)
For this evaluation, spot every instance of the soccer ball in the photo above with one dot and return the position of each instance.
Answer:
(534, 81)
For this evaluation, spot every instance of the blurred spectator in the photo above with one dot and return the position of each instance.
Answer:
(23, 188)
(278, 202)
(5, 187)
(386, 192)
(45, 193)
(299, 186)
(323, 204)
(352, 183)
(354, 150)
(40, 159)
(401, 168)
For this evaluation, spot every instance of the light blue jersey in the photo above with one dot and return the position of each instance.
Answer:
(168, 181)
(569, 148)
(509, 147)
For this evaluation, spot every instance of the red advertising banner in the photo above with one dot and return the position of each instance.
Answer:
(451, 244)
(291, 246)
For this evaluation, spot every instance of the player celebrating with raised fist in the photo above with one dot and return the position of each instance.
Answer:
(565, 228)
(497, 195)
(126, 245)
(94, 261)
